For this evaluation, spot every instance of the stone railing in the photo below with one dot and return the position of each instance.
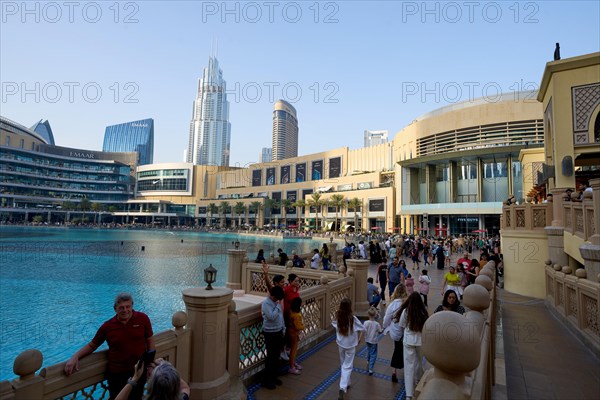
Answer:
(526, 216)
(462, 348)
(575, 300)
(318, 308)
(51, 382)
(578, 218)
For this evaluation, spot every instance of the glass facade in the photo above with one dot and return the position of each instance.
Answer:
(161, 180)
(131, 136)
(29, 178)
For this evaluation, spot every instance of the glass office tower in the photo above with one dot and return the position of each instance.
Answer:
(132, 136)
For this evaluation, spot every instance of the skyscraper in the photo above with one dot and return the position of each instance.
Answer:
(285, 131)
(210, 130)
(132, 136)
(373, 138)
(266, 155)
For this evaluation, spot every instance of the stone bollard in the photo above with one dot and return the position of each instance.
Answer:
(28, 385)
(234, 273)
(360, 271)
(207, 312)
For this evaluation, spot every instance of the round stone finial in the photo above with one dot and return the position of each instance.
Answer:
(548, 262)
(437, 388)
(232, 307)
(580, 273)
(451, 343)
(476, 318)
(350, 272)
(342, 269)
(566, 270)
(246, 260)
(557, 267)
(485, 281)
(324, 280)
(487, 272)
(477, 297)
(27, 363)
(179, 319)
(289, 264)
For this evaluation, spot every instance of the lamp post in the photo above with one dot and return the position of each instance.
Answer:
(210, 276)
(236, 244)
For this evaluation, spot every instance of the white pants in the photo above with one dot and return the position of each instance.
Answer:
(413, 368)
(347, 362)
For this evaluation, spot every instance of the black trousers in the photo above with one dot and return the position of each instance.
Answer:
(116, 382)
(274, 345)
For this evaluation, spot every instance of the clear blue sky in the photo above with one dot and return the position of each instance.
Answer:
(359, 65)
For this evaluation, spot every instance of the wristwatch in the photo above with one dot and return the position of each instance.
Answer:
(132, 382)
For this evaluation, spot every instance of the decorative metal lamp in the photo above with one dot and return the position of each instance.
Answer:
(210, 276)
(236, 244)
(331, 239)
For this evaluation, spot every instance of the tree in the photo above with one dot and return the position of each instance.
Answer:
(68, 206)
(316, 202)
(212, 209)
(85, 204)
(255, 207)
(299, 204)
(285, 204)
(38, 219)
(224, 208)
(96, 207)
(338, 201)
(239, 208)
(355, 204)
(270, 205)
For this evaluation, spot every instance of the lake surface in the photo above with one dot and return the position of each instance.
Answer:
(57, 285)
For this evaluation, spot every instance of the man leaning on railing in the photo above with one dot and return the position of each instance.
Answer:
(128, 334)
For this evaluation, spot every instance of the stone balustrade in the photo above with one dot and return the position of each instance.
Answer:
(575, 300)
(461, 348)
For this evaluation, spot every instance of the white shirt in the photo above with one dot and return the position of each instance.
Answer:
(394, 329)
(314, 261)
(411, 338)
(350, 341)
(372, 329)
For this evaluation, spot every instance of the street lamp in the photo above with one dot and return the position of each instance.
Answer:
(210, 276)
(236, 244)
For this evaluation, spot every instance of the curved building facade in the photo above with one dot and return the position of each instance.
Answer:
(458, 164)
(285, 131)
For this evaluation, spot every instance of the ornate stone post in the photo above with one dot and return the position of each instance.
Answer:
(361, 272)
(207, 312)
(28, 385)
(234, 274)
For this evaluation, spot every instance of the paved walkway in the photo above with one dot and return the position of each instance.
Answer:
(543, 360)
(537, 358)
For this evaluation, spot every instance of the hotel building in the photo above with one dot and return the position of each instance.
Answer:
(285, 131)
(210, 130)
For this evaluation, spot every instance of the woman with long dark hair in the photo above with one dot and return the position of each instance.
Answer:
(413, 315)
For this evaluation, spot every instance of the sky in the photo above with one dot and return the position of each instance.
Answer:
(346, 66)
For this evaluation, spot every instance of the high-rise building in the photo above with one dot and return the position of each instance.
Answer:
(210, 130)
(373, 138)
(43, 128)
(132, 136)
(285, 131)
(266, 155)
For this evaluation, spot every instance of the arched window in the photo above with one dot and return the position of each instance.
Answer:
(597, 129)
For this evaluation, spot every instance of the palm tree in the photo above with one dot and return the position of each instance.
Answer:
(315, 201)
(68, 206)
(255, 207)
(212, 209)
(224, 208)
(84, 205)
(96, 208)
(355, 204)
(239, 208)
(338, 201)
(270, 205)
(285, 204)
(299, 204)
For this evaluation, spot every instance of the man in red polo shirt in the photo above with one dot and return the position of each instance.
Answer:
(128, 334)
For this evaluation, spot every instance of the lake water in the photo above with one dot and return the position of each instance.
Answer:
(57, 285)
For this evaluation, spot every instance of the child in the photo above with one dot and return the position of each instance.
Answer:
(372, 331)
(425, 281)
(346, 327)
(413, 315)
(296, 326)
(410, 283)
